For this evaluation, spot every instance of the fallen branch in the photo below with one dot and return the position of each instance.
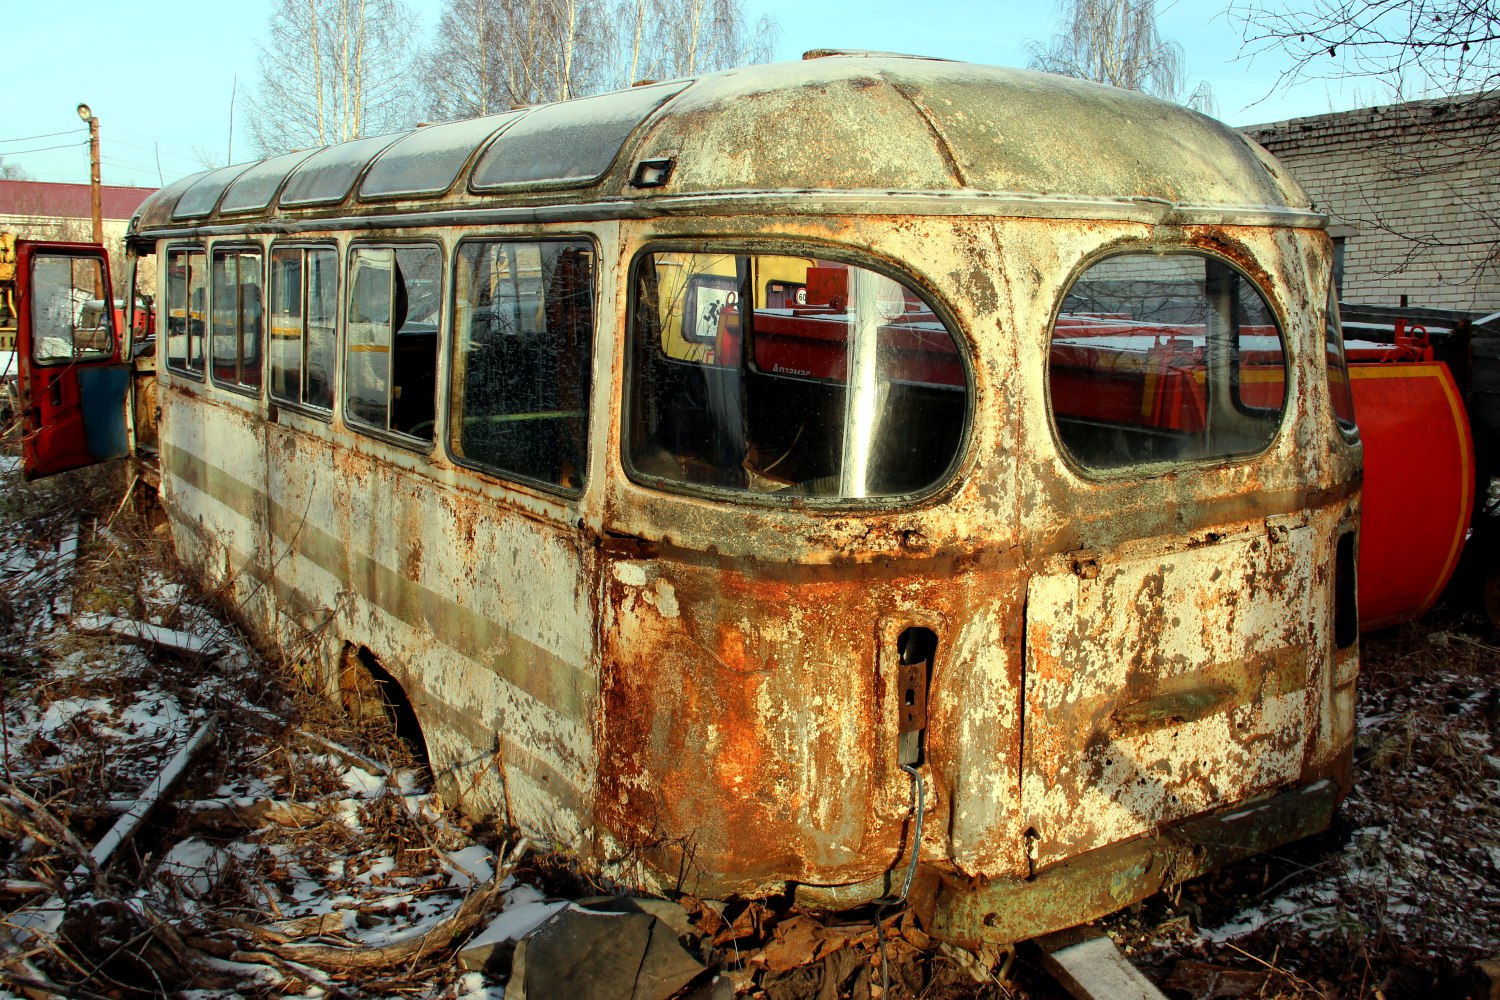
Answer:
(274, 725)
(37, 986)
(67, 557)
(228, 816)
(22, 887)
(41, 823)
(147, 634)
(40, 921)
(126, 825)
(414, 947)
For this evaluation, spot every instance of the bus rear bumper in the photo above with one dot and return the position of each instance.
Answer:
(1110, 878)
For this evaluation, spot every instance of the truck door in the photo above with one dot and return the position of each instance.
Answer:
(74, 376)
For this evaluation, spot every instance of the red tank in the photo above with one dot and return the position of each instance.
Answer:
(1419, 476)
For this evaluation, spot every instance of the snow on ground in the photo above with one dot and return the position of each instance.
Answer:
(270, 841)
(287, 834)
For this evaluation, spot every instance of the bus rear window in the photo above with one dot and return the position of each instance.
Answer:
(1165, 358)
(791, 376)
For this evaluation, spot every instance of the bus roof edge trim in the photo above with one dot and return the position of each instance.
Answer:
(801, 203)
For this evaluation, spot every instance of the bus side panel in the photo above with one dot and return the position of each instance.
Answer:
(480, 614)
(213, 490)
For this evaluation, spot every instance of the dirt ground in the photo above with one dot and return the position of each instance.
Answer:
(301, 852)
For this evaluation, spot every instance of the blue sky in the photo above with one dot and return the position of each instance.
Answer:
(160, 75)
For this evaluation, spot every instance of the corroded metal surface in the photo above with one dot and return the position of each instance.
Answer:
(706, 694)
(1012, 141)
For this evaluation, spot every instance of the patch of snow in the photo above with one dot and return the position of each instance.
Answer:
(194, 865)
(66, 711)
(471, 986)
(515, 922)
(521, 895)
(470, 865)
(363, 783)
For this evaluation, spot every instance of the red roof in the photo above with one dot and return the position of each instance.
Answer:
(69, 201)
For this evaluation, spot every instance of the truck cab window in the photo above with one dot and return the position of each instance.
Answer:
(69, 322)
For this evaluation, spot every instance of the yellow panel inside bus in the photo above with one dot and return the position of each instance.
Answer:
(694, 288)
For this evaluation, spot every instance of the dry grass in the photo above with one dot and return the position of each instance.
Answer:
(273, 842)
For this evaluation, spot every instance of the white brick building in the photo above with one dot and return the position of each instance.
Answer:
(1414, 194)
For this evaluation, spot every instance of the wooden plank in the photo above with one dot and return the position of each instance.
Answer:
(1094, 969)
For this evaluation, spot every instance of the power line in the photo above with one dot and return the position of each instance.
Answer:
(45, 149)
(48, 135)
(128, 164)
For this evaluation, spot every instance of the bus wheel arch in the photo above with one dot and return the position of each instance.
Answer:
(371, 695)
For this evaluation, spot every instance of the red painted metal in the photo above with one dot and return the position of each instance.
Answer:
(1419, 479)
(55, 438)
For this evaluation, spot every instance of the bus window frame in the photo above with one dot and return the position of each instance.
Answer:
(304, 245)
(1147, 471)
(911, 279)
(237, 245)
(410, 442)
(509, 477)
(164, 314)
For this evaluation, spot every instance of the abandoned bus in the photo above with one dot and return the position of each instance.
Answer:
(837, 476)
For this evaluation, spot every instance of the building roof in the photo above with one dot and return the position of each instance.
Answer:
(69, 201)
(860, 128)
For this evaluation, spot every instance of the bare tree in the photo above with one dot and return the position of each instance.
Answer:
(466, 71)
(701, 36)
(1117, 42)
(1416, 48)
(1438, 62)
(333, 70)
(490, 55)
(12, 171)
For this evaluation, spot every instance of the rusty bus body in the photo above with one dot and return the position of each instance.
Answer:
(1022, 482)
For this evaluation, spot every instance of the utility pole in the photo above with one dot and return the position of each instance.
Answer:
(94, 193)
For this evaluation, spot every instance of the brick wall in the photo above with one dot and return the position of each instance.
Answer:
(1413, 189)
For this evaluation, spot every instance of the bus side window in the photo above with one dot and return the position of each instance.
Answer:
(304, 301)
(237, 319)
(522, 359)
(390, 367)
(186, 296)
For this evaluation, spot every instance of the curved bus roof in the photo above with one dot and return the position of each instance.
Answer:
(838, 132)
